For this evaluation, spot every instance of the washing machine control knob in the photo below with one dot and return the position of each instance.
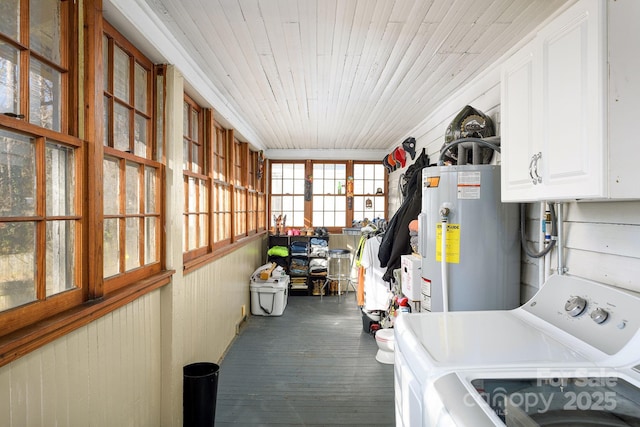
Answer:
(575, 306)
(599, 315)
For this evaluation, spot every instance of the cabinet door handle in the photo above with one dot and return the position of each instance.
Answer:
(533, 169)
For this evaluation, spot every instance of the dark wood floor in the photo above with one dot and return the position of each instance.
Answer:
(312, 366)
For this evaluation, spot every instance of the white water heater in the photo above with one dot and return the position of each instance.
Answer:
(481, 268)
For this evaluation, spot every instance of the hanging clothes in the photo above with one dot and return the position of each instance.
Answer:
(360, 292)
(396, 240)
(377, 295)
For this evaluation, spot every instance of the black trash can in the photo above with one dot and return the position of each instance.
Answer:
(200, 390)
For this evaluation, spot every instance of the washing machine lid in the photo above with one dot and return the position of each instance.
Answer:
(585, 397)
(464, 340)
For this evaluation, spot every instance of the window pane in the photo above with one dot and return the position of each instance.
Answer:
(17, 175)
(329, 203)
(318, 186)
(276, 171)
(111, 186)
(111, 247)
(141, 81)
(132, 244)
(10, 18)
(61, 180)
(298, 219)
(287, 204)
(287, 186)
(150, 250)
(317, 218)
(358, 206)
(318, 172)
(17, 264)
(191, 188)
(298, 186)
(318, 205)
(276, 186)
(195, 159)
(140, 136)
(369, 187)
(379, 184)
(133, 188)
(185, 234)
(370, 170)
(358, 171)
(298, 203)
(192, 232)
(358, 186)
(60, 256)
(204, 229)
(160, 118)
(185, 154)
(9, 78)
(120, 74)
(194, 126)
(185, 119)
(44, 35)
(150, 180)
(361, 211)
(107, 121)
(276, 204)
(287, 171)
(121, 127)
(44, 95)
(328, 219)
(204, 197)
(105, 62)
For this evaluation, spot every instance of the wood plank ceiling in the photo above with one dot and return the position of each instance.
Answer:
(356, 74)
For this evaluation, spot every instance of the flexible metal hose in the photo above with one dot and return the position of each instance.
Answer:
(554, 232)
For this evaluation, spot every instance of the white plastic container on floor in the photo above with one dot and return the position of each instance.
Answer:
(269, 297)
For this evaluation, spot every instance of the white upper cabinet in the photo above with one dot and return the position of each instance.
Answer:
(561, 112)
(520, 126)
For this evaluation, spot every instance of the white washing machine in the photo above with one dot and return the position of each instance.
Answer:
(570, 324)
(538, 397)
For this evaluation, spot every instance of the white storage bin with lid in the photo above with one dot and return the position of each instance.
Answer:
(269, 297)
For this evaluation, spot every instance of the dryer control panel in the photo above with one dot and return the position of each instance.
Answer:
(603, 316)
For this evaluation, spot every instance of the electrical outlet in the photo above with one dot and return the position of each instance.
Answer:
(243, 310)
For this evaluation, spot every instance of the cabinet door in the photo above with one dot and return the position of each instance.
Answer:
(573, 114)
(520, 124)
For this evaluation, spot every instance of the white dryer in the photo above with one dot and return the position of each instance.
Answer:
(570, 324)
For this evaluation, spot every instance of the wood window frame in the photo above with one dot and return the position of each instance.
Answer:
(144, 161)
(300, 196)
(256, 197)
(45, 306)
(240, 178)
(365, 195)
(200, 174)
(308, 204)
(221, 197)
(30, 326)
(235, 186)
(338, 191)
(67, 65)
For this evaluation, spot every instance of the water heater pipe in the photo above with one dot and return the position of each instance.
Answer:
(561, 268)
(444, 215)
(541, 244)
(472, 143)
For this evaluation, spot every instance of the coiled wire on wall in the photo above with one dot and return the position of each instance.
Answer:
(554, 232)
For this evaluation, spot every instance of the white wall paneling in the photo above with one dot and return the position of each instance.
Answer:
(106, 373)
